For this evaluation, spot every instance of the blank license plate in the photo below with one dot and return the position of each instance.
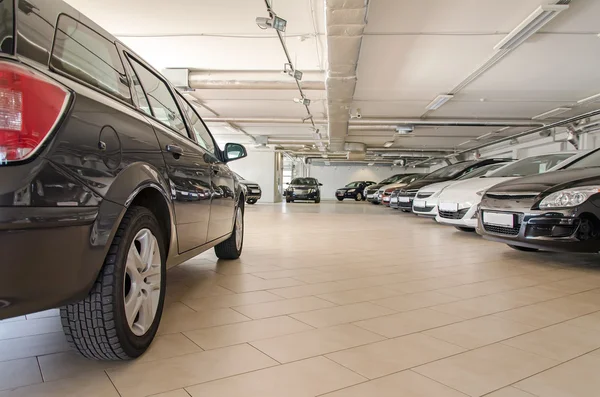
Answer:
(404, 199)
(419, 203)
(449, 207)
(498, 219)
(394, 200)
(255, 191)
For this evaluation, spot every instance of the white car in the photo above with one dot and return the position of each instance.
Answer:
(426, 200)
(457, 204)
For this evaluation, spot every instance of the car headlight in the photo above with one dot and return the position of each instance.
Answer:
(351, 190)
(311, 190)
(569, 197)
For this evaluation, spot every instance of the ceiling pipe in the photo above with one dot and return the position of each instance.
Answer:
(391, 149)
(253, 80)
(560, 123)
(255, 120)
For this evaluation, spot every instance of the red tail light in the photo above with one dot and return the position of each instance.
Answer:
(30, 106)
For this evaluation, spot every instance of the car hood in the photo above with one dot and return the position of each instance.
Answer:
(465, 192)
(391, 186)
(550, 181)
(303, 186)
(348, 188)
(422, 183)
(246, 182)
(435, 187)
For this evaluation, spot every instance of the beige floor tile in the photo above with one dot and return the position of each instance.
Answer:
(18, 329)
(419, 300)
(407, 322)
(510, 392)
(308, 290)
(575, 378)
(389, 356)
(358, 295)
(479, 332)
(31, 346)
(590, 321)
(402, 384)
(316, 342)
(283, 307)
(218, 302)
(248, 331)
(486, 369)
(173, 322)
(174, 393)
(342, 314)
(95, 384)
(560, 342)
(203, 290)
(248, 283)
(17, 373)
(306, 378)
(488, 287)
(165, 375)
(293, 273)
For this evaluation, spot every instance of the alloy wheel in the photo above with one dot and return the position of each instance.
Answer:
(239, 228)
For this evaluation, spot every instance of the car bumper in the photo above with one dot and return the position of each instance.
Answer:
(403, 205)
(468, 219)
(373, 198)
(425, 211)
(307, 196)
(253, 196)
(346, 195)
(550, 230)
(50, 256)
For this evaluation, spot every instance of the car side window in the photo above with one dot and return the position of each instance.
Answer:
(139, 96)
(199, 130)
(160, 99)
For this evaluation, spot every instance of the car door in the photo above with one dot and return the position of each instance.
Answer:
(188, 168)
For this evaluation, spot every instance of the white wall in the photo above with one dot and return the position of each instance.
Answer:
(259, 167)
(333, 177)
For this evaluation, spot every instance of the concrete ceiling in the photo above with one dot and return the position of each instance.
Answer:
(411, 51)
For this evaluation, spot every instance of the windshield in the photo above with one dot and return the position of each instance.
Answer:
(304, 181)
(591, 160)
(392, 179)
(481, 171)
(411, 178)
(450, 171)
(532, 165)
(353, 184)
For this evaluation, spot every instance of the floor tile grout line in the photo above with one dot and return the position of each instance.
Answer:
(37, 360)
(112, 383)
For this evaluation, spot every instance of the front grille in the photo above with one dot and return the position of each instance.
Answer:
(424, 209)
(371, 191)
(508, 231)
(253, 186)
(503, 196)
(424, 195)
(453, 215)
(405, 205)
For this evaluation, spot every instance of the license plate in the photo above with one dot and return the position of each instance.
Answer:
(394, 200)
(419, 203)
(255, 191)
(370, 196)
(448, 207)
(498, 219)
(404, 199)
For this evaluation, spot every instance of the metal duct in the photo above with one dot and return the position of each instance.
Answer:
(253, 80)
(255, 120)
(345, 23)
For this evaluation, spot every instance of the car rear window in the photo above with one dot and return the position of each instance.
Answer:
(88, 56)
(7, 15)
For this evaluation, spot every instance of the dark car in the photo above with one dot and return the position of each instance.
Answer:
(448, 173)
(553, 211)
(253, 190)
(353, 190)
(303, 189)
(371, 191)
(109, 176)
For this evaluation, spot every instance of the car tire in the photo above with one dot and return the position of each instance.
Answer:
(359, 197)
(288, 200)
(99, 327)
(232, 247)
(251, 202)
(524, 249)
(465, 229)
(317, 200)
(403, 210)
(374, 203)
(340, 199)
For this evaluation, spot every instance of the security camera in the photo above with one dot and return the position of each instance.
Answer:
(264, 23)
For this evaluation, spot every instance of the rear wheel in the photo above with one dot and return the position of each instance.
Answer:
(525, 249)
(359, 197)
(232, 247)
(119, 317)
(464, 229)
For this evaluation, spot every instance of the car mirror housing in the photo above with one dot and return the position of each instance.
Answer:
(320, 184)
(234, 151)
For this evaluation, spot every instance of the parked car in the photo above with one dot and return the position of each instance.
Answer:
(385, 192)
(426, 200)
(448, 173)
(109, 176)
(458, 202)
(353, 190)
(303, 189)
(553, 211)
(371, 191)
(253, 190)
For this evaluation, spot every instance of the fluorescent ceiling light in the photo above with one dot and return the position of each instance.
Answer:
(484, 136)
(388, 144)
(439, 101)
(534, 22)
(502, 129)
(465, 142)
(403, 129)
(550, 113)
(589, 99)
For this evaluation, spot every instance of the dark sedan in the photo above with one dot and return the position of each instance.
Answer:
(371, 191)
(253, 190)
(449, 173)
(353, 190)
(555, 211)
(303, 189)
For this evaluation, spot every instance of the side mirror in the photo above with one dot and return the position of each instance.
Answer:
(320, 184)
(234, 151)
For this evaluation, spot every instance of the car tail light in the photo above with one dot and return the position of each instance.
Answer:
(30, 107)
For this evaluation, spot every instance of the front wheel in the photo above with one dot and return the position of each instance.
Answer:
(232, 247)
(524, 249)
(119, 317)
(340, 199)
(317, 200)
(359, 197)
(251, 201)
(465, 229)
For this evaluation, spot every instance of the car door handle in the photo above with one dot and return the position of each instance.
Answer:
(176, 150)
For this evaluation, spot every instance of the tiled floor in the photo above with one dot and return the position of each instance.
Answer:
(344, 300)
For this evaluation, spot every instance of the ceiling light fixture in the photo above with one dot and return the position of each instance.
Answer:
(550, 113)
(483, 136)
(439, 101)
(589, 99)
(534, 22)
(502, 129)
(273, 22)
(388, 144)
(302, 101)
(405, 129)
(465, 142)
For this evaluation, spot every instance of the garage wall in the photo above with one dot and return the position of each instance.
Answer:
(333, 177)
(260, 167)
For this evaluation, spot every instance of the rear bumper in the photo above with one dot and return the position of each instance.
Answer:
(50, 256)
